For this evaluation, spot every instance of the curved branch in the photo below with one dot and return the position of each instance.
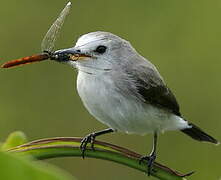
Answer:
(69, 146)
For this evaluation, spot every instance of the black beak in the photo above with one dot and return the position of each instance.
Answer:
(70, 54)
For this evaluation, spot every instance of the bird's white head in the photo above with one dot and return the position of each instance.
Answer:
(97, 51)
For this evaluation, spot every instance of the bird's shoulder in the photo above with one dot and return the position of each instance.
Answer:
(152, 88)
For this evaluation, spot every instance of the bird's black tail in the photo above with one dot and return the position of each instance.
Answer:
(198, 134)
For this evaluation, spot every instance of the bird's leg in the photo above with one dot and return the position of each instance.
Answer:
(151, 158)
(90, 138)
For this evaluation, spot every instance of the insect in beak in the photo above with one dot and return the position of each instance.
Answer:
(26, 60)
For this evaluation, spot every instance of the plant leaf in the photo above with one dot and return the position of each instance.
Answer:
(13, 167)
(14, 139)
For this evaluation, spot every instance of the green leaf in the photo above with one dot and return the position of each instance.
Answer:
(70, 147)
(13, 167)
(14, 139)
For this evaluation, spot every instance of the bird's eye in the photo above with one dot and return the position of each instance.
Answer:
(101, 49)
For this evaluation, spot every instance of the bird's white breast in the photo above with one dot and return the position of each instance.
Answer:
(122, 112)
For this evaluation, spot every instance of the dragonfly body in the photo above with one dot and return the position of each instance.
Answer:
(26, 60)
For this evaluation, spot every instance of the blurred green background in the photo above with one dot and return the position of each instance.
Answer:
(182, 38)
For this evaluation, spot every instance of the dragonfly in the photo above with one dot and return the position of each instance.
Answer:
(47, 45)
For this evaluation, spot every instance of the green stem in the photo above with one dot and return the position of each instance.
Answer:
(61, 147)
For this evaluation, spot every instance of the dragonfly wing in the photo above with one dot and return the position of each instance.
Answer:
(49, 39)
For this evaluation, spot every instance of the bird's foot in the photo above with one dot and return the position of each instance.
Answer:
(150, 161)
(90, 138)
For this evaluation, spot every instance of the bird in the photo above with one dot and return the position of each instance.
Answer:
(124, 91)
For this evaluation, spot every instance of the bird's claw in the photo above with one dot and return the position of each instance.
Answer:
(150, 161)
(90, 138)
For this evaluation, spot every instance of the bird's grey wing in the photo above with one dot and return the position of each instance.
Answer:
(152, 88)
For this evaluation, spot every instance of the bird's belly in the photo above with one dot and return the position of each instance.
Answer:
(124, 113)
